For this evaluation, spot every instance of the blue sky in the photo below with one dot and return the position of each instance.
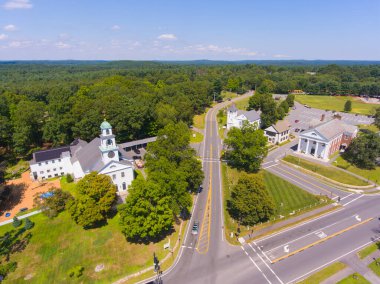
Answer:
(190, 29)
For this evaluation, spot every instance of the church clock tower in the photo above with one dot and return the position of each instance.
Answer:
(108, 145)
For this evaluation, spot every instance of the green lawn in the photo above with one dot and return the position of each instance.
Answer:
(242, 104)
(336, 103)
(228, 95)
(198, 137)
(371, 127)
(373, 175)
(326, 171)
(375, 268)
(369, 250)
(222, 121)
(15, 171)
(287, 197)
(324, 273)
(358, 280)
(59, 244)
(199, 120)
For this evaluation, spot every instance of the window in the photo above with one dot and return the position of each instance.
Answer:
(109, 142)
(62, 174)
(122, 174)
(55, 175)
(46, 162)
(39, 164)
(49, 176)
(113, 177)
(59, 160)
(55, 169)
(41, 172)
(107, 131)
(60, 168)
(124, 186)
(53, 161)
(48, 171)
(314, 142)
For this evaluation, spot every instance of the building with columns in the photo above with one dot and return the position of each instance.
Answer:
(235, 117)
(326, 138)
(80, 158)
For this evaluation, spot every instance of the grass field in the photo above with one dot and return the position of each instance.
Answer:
(369, 250)
(242, 104)
(59, 244)
(374, 267)
(287, 197)
(373, 175)
(359, 279)
(199, 120)
(324, 273)
(326, 171)
(198, 137)
(371, 127)
(336, 103)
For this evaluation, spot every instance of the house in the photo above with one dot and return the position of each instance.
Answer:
(235, 117)
(326, 138)
(278, 132)
(80, 158)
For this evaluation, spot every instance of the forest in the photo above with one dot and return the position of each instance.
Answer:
(45, 104)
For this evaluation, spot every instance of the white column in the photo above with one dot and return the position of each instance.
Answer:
(307, 146)
(299, 144)
(316, 150)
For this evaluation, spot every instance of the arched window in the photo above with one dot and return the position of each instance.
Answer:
(107, 131)
(109, 142)
(124, 186)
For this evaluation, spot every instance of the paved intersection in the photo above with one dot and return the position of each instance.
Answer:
(208, 258)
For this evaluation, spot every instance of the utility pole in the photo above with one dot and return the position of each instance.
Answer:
(157, 269)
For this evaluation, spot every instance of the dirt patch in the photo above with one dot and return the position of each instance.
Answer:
(369, 100)
(20, 194)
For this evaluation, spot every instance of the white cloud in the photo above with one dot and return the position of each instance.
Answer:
(64, 36)
(62, 45)
(211, 48)
(17, 4)
(10, 28)
(115, 27)
(167, 37)
(25, 43)
(281, 56)
(3, 36)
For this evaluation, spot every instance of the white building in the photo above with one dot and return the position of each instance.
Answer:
(235, 117)
(326, 138)
(102, 155)
(278, 133)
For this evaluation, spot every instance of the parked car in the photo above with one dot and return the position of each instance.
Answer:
(296, 121)
(297, 130)
(200, 188)
(195, 229)
(23, 209)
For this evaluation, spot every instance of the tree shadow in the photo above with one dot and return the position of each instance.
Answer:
(11, 196)
(148, 240)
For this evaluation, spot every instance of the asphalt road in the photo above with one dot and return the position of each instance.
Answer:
(284, 257)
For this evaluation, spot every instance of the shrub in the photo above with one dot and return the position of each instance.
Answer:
(16, 222)
(69, 178)
(76, 271)
(28, 224)
(6, 268)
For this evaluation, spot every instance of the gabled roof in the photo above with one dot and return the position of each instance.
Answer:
(51, 154)
(279, 127)
(251, 115)
(332, 128)
(89, 156)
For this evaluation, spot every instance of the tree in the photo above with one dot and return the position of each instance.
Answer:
(217, 90)
(377, 117)
(363, 151)
(96, 195)
(290, 100)
(54, 204)
(348, 106)
(267, 86)
(246, 148)
(16, 222)
(146, 214)
(250, 201)
(28, 224)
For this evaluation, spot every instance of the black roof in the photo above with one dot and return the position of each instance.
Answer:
(50, 154)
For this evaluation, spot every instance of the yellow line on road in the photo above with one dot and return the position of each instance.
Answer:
(322, 240)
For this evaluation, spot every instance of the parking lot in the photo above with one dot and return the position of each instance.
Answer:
(305, 115)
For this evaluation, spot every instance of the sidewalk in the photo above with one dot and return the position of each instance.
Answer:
(287, 222)
(339, 276)
(20, 217)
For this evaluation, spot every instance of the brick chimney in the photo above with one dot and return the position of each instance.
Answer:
(322, 117)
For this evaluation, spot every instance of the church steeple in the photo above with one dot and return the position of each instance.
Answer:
(108, 145)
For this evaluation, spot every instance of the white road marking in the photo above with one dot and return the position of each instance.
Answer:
(286, 248)
(278, 278)
(332, 261)
(264, 254)
(321, 235)
(353, 200)
(269, 166)
(357, 217)
(336, 197)
(256, 266)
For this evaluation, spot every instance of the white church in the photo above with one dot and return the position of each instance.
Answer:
(102, 155)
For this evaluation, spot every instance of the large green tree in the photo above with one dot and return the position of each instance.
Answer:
(146, 214)
(348, 106)
(250, 201)
(364, 150)
(95, 196)
(377, 117)
(246, 148)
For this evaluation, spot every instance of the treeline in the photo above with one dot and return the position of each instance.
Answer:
(55, 103)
